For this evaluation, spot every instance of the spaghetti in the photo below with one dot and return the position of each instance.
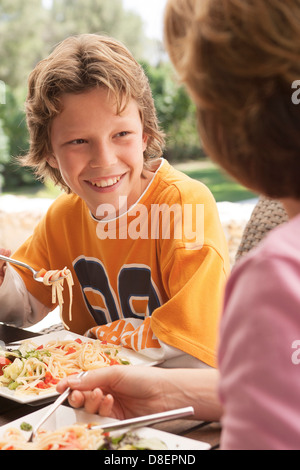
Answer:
(77, 437)
(37, 369)
(55, 279)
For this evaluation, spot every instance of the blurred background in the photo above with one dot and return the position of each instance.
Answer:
(29, 30)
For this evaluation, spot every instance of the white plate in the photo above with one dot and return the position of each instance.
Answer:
(134, 358)
(66, 416)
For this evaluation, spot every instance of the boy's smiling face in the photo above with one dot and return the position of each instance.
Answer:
(99, 153)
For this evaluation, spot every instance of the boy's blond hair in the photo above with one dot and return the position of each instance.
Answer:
(76, 65)
(239, 59)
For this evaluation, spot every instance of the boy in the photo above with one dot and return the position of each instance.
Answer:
(94, 131)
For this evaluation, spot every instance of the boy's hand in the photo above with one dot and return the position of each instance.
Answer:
(3, 252)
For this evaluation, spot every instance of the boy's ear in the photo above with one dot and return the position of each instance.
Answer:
(51, 160)
(145, 141)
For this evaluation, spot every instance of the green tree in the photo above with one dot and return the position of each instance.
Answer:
(4, 152)
(29, 30)
(69, 17)
(176, 113)
(14, 127)
(22, 31)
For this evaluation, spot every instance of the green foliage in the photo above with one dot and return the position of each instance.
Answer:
(176, 113)
(29, 31)
(69, 17)
(22, 39)
(4, 154)
(14, 128)
(4, 143)
(221, 185)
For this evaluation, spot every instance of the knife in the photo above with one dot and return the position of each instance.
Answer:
(147, 420)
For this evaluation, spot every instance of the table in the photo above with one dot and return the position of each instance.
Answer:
(198, 430)
(10, 410)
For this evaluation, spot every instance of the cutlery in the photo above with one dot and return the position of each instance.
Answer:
(24, 265)
(51, 410)
(8, 346)
(145, 420)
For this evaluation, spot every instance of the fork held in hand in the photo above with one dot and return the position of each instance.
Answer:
(35, 273)
(23, 265)
(51, 409)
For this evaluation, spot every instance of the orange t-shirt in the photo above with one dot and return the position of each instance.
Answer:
(134, 276)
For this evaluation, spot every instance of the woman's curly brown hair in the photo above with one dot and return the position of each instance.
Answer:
(238, 59)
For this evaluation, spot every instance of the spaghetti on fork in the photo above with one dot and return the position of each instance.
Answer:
(55, 279)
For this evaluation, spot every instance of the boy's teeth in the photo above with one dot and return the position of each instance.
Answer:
(106, 183)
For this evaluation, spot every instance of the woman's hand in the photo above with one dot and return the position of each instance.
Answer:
(117, 391)
(126, 391)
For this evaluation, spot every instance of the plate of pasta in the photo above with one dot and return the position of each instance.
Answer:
(68, 429)
(30, 372)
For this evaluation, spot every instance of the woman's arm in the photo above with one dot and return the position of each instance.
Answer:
(124, 391)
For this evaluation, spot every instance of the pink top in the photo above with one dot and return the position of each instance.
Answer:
(259, 355)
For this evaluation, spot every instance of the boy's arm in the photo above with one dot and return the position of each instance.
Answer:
(137, 335)
(18, 306)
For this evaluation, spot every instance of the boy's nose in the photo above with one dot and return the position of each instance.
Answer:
(102, 156)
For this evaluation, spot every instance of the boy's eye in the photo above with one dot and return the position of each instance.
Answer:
(78, 141)
(122, 134)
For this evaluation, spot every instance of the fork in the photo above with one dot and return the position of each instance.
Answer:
(36, 276)
(51, 409)
(147, 420)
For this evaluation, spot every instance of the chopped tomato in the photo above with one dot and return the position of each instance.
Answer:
(78, 340)
(70, 442)
(49, 379)
(3, 362)
(70, 351)
(113, 362)
(42, 385)
(40, 347)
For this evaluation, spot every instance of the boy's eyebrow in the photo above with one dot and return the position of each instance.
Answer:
(124, 124)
